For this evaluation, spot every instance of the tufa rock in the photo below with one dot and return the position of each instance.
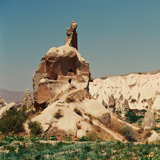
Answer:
(105, 118)
(132, 91)
(60, 68)
(6, 108)
(2, 103)
(154, 137)
(149, 121)
(71, 33)
(27, 99)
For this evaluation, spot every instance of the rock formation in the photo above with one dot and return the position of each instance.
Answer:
(27, 99)
(71, 33)
(133, 91)
(154, 137)
(149, 121)
(60, 69)
(6, 108)
(2, 103)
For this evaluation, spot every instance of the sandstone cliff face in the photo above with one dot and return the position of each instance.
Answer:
(60, 68)
(133, 91)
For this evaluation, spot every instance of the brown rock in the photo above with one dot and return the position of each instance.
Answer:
(71, 33)
(105, 118)
(60, 68)
(149, 121)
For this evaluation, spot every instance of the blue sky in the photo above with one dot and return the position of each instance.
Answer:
(115, 36)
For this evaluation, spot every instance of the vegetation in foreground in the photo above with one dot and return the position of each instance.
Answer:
(13, 148)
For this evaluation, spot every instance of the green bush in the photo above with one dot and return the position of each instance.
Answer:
(131, 117)
(83, 138)
(35, 128)
(12, 120)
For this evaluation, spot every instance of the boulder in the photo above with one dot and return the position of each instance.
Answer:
(154, 137)
(105, 118)
(60, 68)
(149, 121)
(27, 99)
(2, 103)
(6, 108)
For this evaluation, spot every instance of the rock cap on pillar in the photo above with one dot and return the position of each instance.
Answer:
(71, 33)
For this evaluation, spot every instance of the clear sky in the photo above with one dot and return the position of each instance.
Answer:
(115, 36)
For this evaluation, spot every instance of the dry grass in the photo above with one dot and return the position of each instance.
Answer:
(115, 125)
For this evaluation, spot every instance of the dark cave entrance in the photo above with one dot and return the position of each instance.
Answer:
(69, 81)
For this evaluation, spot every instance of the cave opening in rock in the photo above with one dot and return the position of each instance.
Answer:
(69, 81)
(70, 70)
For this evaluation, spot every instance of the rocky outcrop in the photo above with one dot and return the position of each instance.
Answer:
(149, 121)
(2, 103)
(133, 91)
(60, 69)
(27, 99)
(6, 108)
(154, 137)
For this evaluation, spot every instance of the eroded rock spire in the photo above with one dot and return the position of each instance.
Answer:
(71, 33)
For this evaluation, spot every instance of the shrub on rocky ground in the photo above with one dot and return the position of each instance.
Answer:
(35, 128)
(131, 117)
(58, 114)
(128, 133)
(13, 120)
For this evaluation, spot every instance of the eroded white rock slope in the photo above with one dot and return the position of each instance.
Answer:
(134, 91)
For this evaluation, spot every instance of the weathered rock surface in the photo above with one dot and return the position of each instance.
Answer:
(149, 121)
(27, 99)
(60, 68)
(133, 91)
(154, 137)
(2, 103)
(6, 108)
(71, 38)
(74, 117)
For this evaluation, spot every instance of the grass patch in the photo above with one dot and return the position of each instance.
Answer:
(28, 149)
